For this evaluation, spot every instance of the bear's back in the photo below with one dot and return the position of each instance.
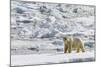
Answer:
(76, 42)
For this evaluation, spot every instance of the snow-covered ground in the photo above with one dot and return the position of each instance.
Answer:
(36, 59)
(37, 31)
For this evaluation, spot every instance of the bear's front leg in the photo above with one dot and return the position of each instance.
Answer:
(69, 48)
(69, 51)
(65, 49)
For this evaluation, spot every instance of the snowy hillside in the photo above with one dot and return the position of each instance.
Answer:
(30, 20)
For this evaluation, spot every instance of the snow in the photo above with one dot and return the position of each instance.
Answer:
(36, 59)
(42, 44)
(37, 31)
(49, 19)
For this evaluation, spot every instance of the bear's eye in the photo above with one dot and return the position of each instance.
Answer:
(65, 39)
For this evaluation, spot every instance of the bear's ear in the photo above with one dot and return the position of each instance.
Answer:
(69, 39)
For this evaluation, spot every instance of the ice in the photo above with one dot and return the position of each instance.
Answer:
(36, 59)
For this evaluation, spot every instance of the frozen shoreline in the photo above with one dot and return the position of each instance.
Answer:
(35, 59)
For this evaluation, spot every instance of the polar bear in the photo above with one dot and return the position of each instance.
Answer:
(71, 43)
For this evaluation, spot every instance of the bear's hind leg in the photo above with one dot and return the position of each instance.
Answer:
(82, 49)
(78, 50)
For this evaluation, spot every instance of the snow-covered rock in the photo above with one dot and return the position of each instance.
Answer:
(52, 18)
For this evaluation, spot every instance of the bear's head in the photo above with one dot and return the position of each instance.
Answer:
(67, 39)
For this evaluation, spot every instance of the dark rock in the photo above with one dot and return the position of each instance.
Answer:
(19, 10)
(89, 44)
(32, 48)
